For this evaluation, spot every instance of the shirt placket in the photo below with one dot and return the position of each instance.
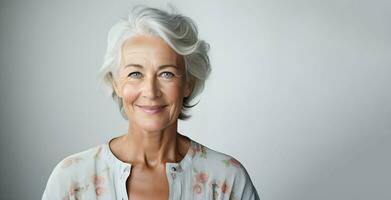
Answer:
(123, 176)
(174, 172)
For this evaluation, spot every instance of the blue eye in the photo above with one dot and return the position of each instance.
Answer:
(136, 75)
(167, 75)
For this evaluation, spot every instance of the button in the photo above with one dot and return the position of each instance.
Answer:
(127, 169)
(125, 172)
(173, 169)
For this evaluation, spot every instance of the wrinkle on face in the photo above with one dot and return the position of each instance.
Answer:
(151, 56)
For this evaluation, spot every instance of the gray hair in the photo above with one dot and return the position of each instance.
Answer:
(178, 31)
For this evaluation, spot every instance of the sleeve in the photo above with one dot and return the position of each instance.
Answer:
(243, 188)
(57, 184)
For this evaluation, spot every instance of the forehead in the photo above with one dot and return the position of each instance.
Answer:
(147, 48)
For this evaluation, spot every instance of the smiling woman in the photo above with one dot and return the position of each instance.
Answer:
(150, 83)
(154, 66)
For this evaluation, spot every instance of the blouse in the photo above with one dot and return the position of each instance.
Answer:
(202, 174)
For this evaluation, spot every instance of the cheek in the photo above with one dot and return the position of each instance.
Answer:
(174, 93)
(129, 93)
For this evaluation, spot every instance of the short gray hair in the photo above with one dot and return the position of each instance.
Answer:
(178, 31)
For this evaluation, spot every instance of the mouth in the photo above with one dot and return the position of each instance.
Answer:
(152, 109)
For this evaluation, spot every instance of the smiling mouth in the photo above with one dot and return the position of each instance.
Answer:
(151, 109)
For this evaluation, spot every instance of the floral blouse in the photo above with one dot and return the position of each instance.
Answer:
(202, 174)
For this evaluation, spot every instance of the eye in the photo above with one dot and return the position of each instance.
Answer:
(135, 75)
(167, 75)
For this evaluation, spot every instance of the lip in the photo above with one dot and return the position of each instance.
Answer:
(151, 109)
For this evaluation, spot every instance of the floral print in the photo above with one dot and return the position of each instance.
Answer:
(69, 161)
(198, 149)
(202, 177)
(75, 191)
(98, 183)
(203, 174)
(197, 188)
(231, 162)
(220, 188)
(224, 187)
(199, 182)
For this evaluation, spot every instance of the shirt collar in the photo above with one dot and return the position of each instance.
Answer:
(178, 167)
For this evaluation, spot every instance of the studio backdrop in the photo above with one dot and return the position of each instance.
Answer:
(299, 92)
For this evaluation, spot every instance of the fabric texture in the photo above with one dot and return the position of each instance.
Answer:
(202, 174)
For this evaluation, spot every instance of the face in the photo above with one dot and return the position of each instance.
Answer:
(151, 82)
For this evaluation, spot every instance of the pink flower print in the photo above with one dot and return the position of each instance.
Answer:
(69, 161)
(234, 162)
(99, 191)
(224, 187)
(197, 188)
(202, 177)
(66, 163)
(98, 182)
(231, 161)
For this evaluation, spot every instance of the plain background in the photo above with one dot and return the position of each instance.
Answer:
(299, 92)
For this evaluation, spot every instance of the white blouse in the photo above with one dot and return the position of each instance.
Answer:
(202, 174)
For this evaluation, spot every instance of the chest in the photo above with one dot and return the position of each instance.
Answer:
(145, 184)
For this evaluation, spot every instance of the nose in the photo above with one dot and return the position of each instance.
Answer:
(151, 88)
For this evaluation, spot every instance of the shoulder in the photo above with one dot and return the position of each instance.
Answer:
(224, 171)
(215, 161)
(77, 162)
(71, 171)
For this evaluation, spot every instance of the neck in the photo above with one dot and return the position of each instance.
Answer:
(153, 148)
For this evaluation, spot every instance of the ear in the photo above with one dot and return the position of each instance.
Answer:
(190, 82)
(116, 88)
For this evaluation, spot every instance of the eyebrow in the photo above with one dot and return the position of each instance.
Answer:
(160, 67)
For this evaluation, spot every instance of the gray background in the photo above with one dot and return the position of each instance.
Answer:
(300, 92)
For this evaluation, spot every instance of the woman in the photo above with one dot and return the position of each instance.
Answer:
(154, 66)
